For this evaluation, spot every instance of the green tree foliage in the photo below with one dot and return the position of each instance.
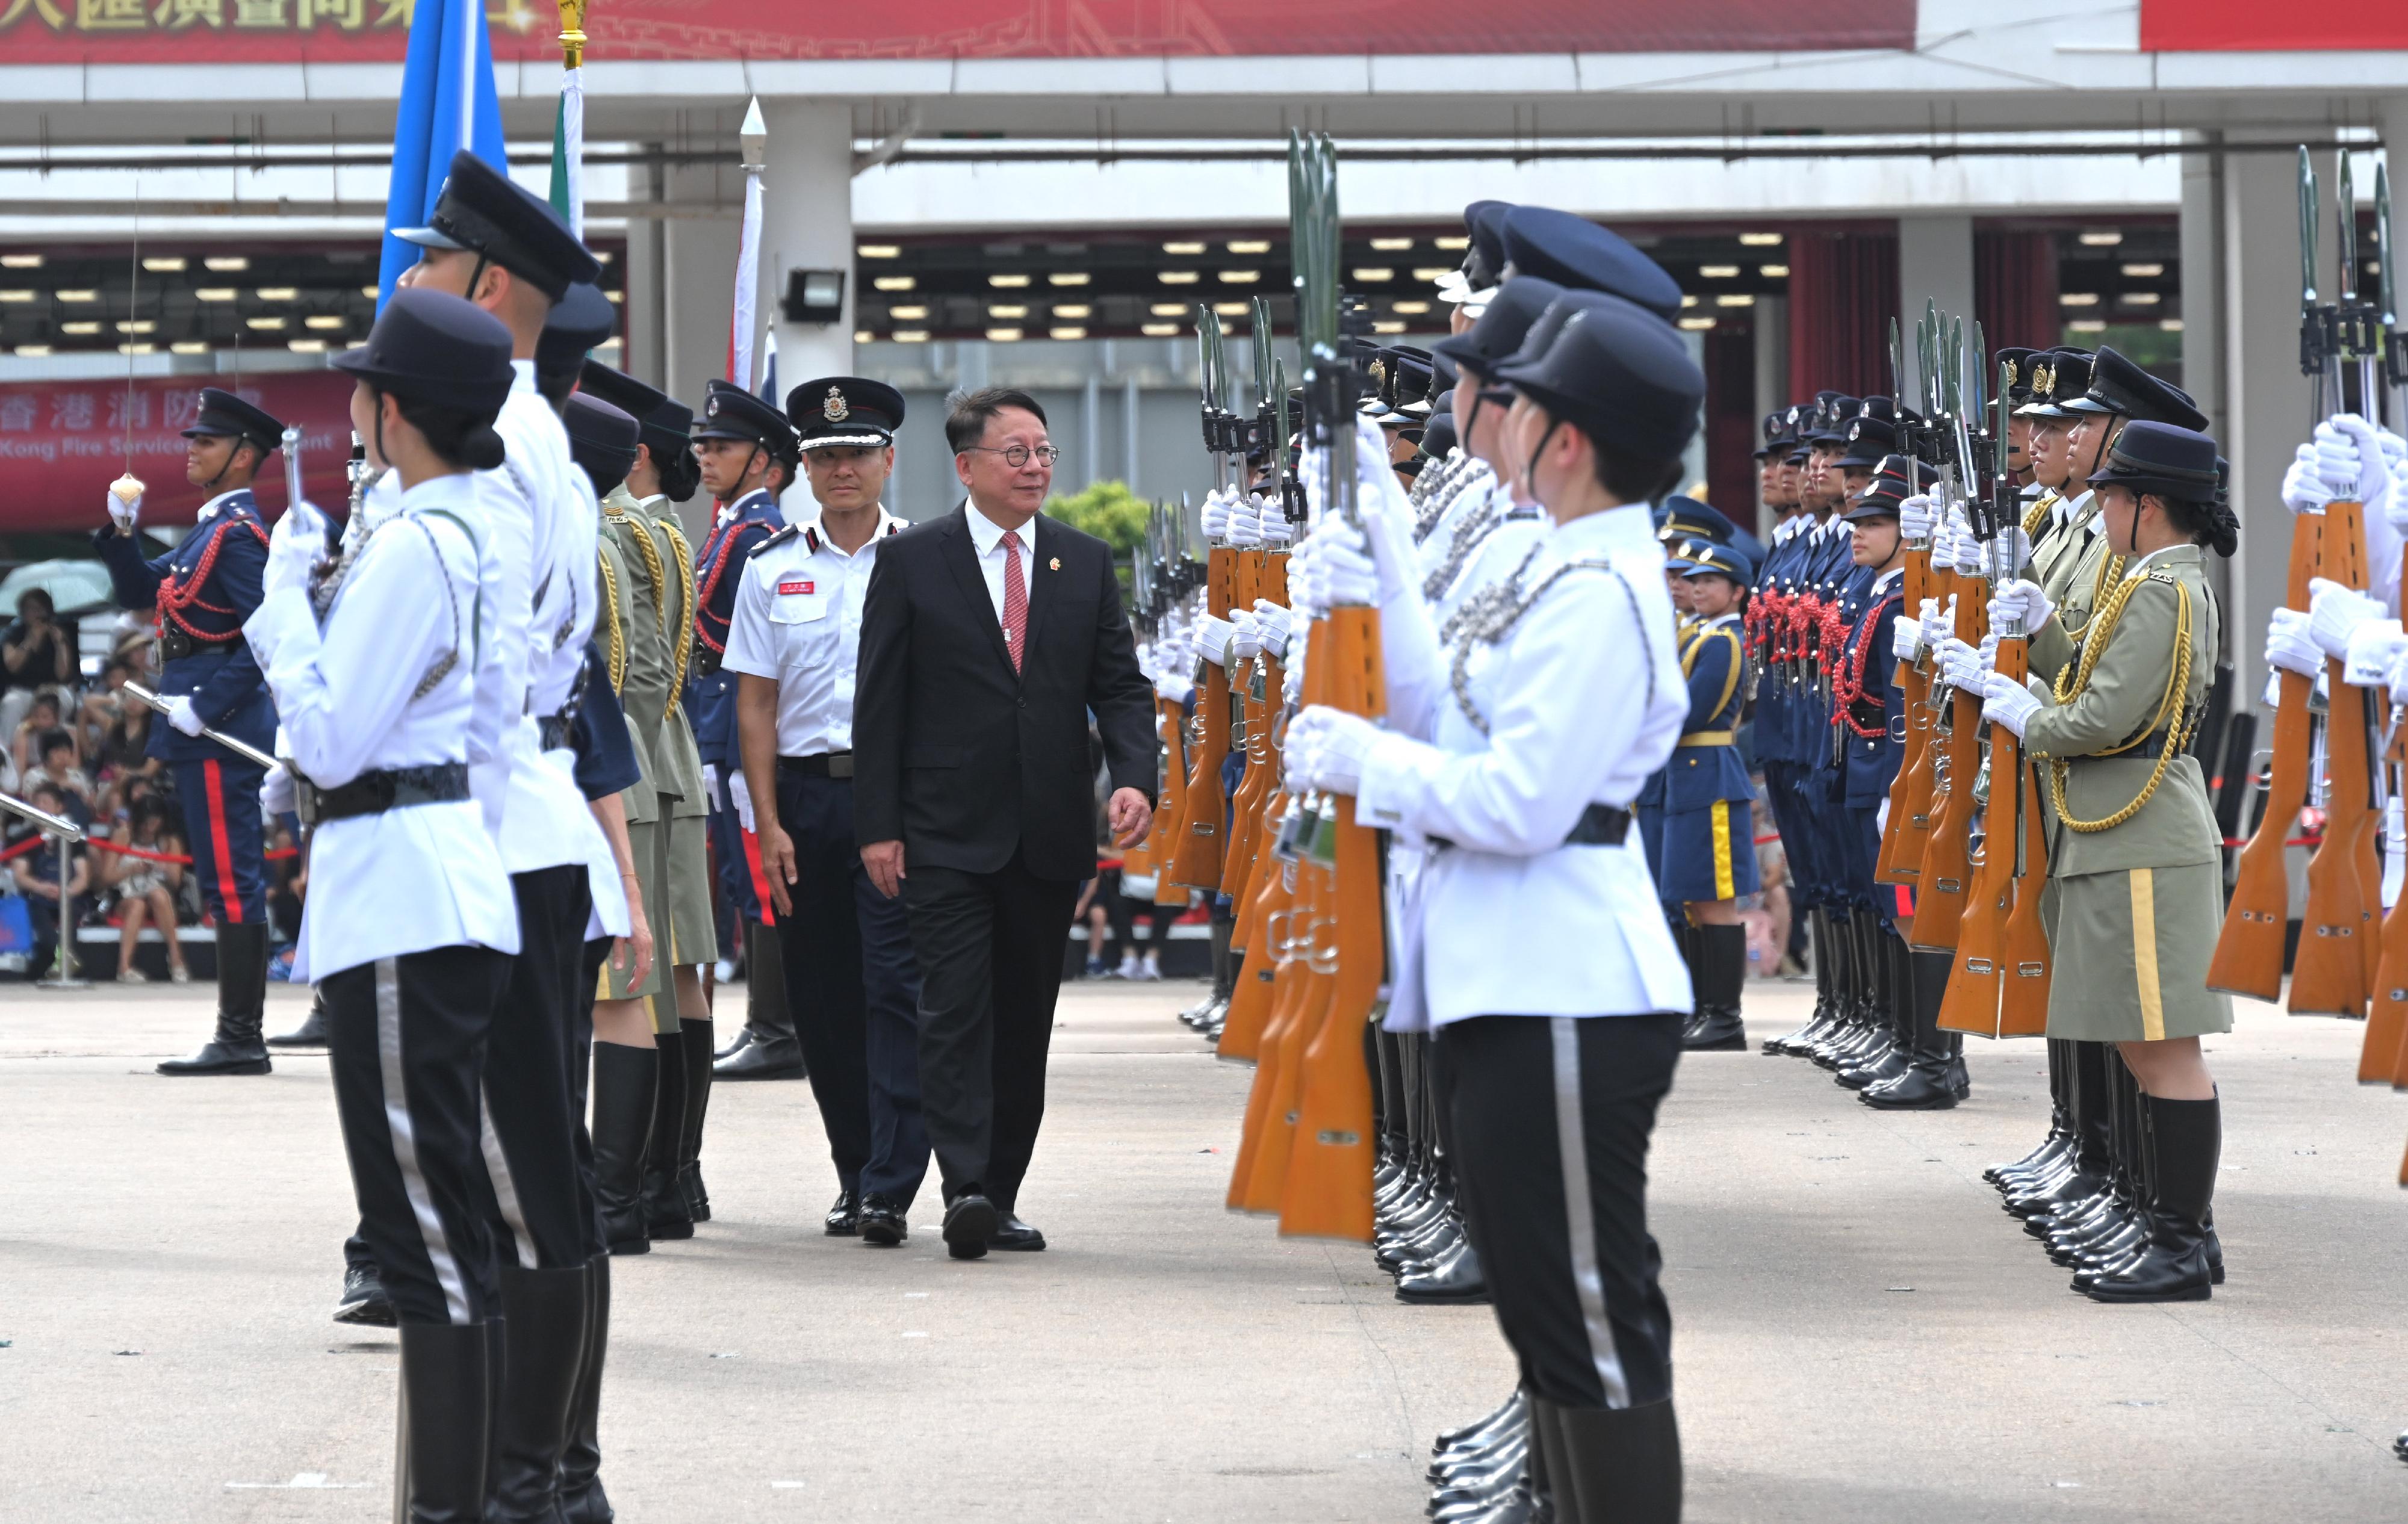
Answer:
(1107, 510)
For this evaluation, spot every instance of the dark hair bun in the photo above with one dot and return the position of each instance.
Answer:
(481, 448)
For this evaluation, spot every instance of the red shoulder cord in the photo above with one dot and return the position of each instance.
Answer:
(1848, 685)
(710, 584)
(178, 592)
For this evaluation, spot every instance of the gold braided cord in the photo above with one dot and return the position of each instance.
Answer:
(684, 648)
(2037, 514)
(618, 632)
(2074, 679)
(653, 567)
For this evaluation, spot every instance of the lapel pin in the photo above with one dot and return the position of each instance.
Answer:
(1055, 564)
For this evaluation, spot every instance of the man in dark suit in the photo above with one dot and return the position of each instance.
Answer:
(987, 639)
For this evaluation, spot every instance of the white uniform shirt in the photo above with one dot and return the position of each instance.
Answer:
(1576, 715)
(797, 622)
(986, 538)
(423, 877)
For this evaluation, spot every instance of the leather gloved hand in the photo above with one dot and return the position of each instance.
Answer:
(2008, 703)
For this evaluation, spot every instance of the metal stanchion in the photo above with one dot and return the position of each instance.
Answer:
(62, 966)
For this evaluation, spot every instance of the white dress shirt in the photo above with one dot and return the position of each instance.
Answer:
(209, 509)
(1576, 715)
(797, 622)
(427, 875)
(986, 538)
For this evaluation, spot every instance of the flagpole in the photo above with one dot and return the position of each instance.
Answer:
(568, 131)
(754, 137)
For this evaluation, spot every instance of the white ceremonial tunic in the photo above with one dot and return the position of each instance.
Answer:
(1507, 920)
(797, 622)
(427, 876)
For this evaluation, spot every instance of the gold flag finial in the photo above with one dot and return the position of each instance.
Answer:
(572, 34)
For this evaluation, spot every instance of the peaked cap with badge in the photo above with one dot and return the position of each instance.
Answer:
(730, 412)
(224, 416)
(481, 210)
(837, 410)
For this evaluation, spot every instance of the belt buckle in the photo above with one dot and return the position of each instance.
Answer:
(839, 764)
(306, 800)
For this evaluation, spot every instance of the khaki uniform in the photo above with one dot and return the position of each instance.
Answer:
(2066, 567)
(2138, 903)
(652, 594)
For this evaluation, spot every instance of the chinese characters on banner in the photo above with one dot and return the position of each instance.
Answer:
(61, 443)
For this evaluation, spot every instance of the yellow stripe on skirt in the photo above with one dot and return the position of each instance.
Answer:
(1723, 887)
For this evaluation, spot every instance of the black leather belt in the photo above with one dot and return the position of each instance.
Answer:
(392, 787)
(825, 764)
(554, 729)
(1600, 825)
(175, 645)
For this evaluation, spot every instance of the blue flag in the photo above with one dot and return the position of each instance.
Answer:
(446, 103)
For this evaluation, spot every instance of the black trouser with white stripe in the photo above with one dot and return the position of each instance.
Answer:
(406, 1040)
(539, 1198)
(1552, 1117)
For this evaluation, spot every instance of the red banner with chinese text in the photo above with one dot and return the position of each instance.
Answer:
(2169, 26)
(354, 31)
(61, 443)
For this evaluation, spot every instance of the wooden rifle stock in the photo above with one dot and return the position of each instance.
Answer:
(1920, 771)
(2329, 973)
(1947, 867)
(1170, 821)
(1986, 966)
(2024, 958)
(1328, 1192)
(1195, 862)
(1901, 850)
(2249, 950)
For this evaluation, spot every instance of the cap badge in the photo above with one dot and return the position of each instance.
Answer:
(1379, 373)
(2044, 379)
(1856, 429)
(710, 409)
(837, 409)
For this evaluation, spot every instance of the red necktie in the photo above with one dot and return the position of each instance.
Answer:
(1015, 598)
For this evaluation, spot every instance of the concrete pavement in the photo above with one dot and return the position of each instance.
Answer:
(1861, 1335)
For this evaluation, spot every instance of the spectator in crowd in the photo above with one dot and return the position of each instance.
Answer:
(1126, 897)
(36, 652)
(55, 763)
(42, 715)
(145, 890)
(36, 876)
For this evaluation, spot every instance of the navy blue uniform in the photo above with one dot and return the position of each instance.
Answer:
(204, 589)
(740, 529)
(1708, 849)
(1872, 733)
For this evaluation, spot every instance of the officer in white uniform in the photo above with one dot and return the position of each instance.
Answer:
(1516, 752)
(795, 642)
(410, 923)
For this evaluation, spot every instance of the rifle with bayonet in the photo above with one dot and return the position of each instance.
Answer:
(1947, 863)
(1195, 862)
(1901, 850)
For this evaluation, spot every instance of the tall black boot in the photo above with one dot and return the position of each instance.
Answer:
(311, 1032)
(624, 1080)
(237, 1047)
(581, 1498)
(1209, 1017)
(665, 1210)
(1615, 1465)
(767, 1047)
(1929, 1084)
(1893, 995)
(542, 1347)
(2187, 1139)
(697, 1037)
(1842, 937)
(445, 1405)
(1818, 947)
(1719, 974)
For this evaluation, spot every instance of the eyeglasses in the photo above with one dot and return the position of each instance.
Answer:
(1016, 456)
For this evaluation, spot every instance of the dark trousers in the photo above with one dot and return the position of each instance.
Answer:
(1123, 911)
(406, 1044)
(580, 1069)
(989, 953)
(854, 990)
(739, 900)
(543, 1207)
(1552, 1118)
(222, 823)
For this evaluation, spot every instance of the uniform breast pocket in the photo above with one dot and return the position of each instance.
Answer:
(803, 603)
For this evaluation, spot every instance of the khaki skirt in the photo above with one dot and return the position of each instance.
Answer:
(691, 936)
(2131, 953)
(646, 842)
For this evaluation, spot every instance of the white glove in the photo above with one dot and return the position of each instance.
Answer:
(181, 715)
(1270, 519)
(1296, 761)
(1245, 526)
(2303, 483)
(2024, 601)
(1343, 568)
(1213, 639)
(277, 795)
(1943, 540)
(1970, 552)
(2019, 546)
(1173, 685)
(1915, 517)
(2373, 486)
(2008, 702)
(294, 547)
(1936, 625)
(2334, 614)
(1964, 667)
(2374, 647)
(1336, 744)
(2399, 679)
(1274, 623)
(741, 793)
(1216, 514)
(1245, 636)
(1906, 637)
(711, 782)
(125, 515)
(2290, 646)
(1292, 682)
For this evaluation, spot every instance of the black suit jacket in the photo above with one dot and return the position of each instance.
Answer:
(964, 760)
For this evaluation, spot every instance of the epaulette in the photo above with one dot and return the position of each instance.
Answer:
(782, 536)
(893, 528)
(811, 541)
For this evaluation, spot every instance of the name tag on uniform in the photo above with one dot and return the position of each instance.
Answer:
(797, 587)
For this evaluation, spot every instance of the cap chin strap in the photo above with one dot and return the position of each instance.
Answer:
(1530, 471)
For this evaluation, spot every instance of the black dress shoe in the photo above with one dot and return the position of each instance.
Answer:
(882, 1221)
(969, 1222)
(222, 1057)
(363, 1301)
(757, 1060)
(1013, 1235)
(843, 1220)
(311, 1034)
(1454, 1277)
